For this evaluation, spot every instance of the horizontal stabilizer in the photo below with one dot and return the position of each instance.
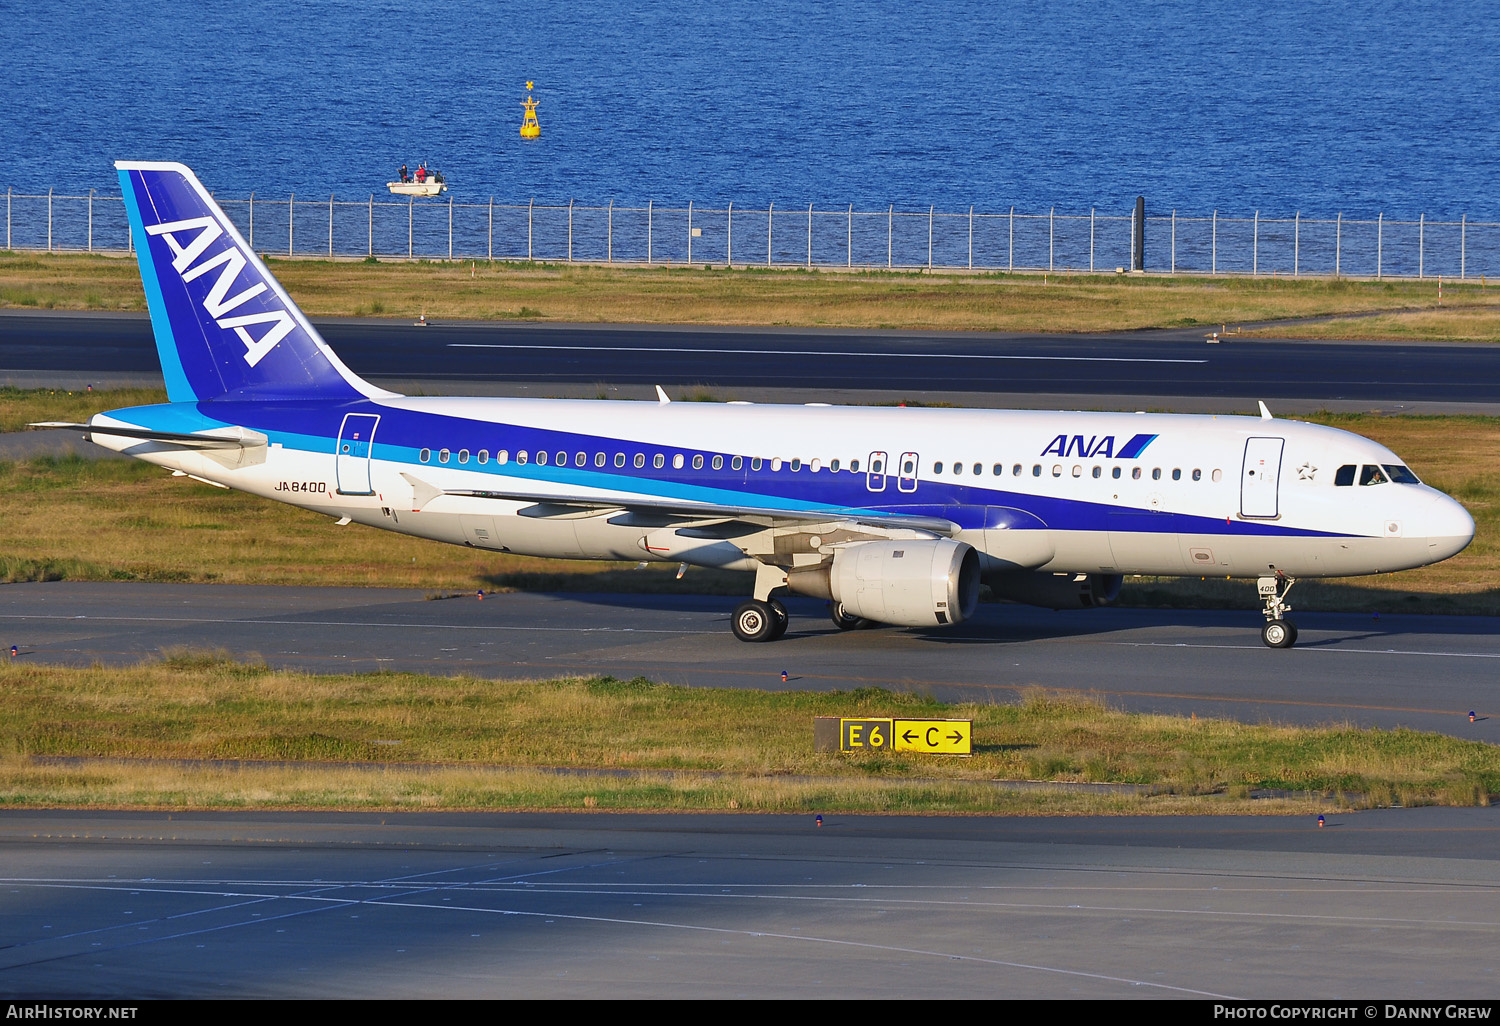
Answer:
(218, 438)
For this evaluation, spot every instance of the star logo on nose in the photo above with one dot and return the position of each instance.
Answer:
(1306, 472)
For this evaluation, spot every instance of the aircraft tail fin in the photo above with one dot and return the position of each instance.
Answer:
(225, 328)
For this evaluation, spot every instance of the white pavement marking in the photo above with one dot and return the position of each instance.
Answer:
(823, 352)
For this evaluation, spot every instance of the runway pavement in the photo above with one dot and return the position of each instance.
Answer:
(1425, 672)
(1161, 369)
(1389, 905)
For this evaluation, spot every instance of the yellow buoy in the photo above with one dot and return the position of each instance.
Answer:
(529, 127)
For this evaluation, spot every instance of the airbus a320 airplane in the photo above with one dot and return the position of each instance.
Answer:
(894, 515)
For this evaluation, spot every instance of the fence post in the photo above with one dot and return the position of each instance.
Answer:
(971, 236)
(330, 225)
(450, 226)
(370, 238)
(1297, 245)
(490, 249)
(1421, 240)
(1091, 240)
(49, 219)
(1463, 232)
(1338, 243)
(570, 230)
(7, 219)
(1012, 265)
(690, 232)
(1174, 240)
(809, 236)
(729, 238)
(649, 204)
(91, 220)
(289, 213)
(252, 221)
(849, 240)
(530, 208)
(890, 228)
(770, 224)
(1214, 260)
(609, 235)
(1379, 241)
(1255, 246)
(929, 237)
(409, 201)
(1051, 235)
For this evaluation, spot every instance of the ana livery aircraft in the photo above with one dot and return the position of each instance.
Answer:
(894, 515)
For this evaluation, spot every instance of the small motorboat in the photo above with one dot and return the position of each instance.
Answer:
(423, 183)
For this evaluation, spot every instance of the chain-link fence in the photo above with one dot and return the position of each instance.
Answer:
(441, 228)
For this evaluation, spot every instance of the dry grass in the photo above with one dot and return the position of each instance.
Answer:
(904, 300)
(409, 741)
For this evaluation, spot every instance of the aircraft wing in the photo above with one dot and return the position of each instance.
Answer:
(552, 505)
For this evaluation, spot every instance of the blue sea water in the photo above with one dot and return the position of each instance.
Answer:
(1378, 106)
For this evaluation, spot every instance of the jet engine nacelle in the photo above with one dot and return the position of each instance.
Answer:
(917, 583)
(1058, 591)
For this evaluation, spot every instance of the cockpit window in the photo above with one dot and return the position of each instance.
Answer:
(1344, 477)
(1400, 474)
(1371, 475)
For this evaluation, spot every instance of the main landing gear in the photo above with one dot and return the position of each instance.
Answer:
(760, 621)
(1278, 632)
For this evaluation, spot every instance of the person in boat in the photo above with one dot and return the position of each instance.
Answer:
(421, 173)
(405, 174)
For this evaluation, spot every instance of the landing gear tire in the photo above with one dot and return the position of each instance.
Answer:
(783, 618)
(844, 621)
(756, 621)
(1279, 633)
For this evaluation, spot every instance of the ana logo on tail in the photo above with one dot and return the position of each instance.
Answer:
(218, 302)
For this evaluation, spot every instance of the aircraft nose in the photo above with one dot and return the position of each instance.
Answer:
(1449, 526)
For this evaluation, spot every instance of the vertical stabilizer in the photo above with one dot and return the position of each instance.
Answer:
(225, 328)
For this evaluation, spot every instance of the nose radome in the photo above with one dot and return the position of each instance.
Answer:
(1448, 526)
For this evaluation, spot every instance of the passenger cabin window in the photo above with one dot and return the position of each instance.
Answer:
(756, 462)
(833, 466)
(463, 455)
(697, 462)
(541, 457)
(658, 461)
(442, 455)
(1016, 470)
(521, 457)
(1115, 473)
(1098, 471)
(580, 459)
(998, 470)
(1135, 473)
(978, 469)
(562, 459)
(854, 466)
(796, 465)
(1156, 473)
(599, 459)
(619, 459)
(736, 463)
(677, 462)
(1036, 470)
(937, 468)
(718, 463)
(1176, 473)
(425, 455)
(502, 457)
(484, 456)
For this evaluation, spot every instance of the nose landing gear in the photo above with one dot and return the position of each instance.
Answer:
(1278, 632)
